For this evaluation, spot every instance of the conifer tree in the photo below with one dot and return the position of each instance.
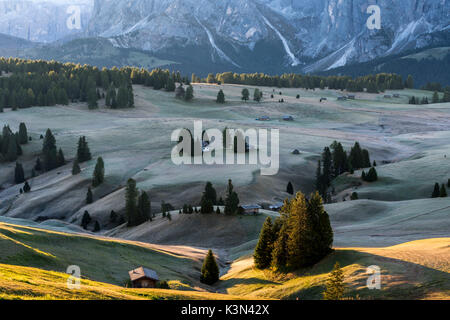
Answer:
(280, 251)
(85, 220)
(263, 251)
(231, 201)
(23, 134)
(122, 97)
(99, 173)
(91, 94)
(327, 167)
(372, 175)
(323, 233)
(335, 287)
(366, 159)
(257, 95)
(89, 196)
(290, 188)
(26, 187)
(19, 174)
(83, 152)
(49, 151)
(76, 168)
(220, 97)
(60, 160)
(144, 207)
(97, 226)
(12, 150)
(210, 270)
(437, 191)
(245, 95)
(301, 234)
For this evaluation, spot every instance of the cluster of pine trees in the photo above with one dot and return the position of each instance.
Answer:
(440, 191)
(299, 238)
(10, 143)
(48, 83)
(184, 94)
(371, 176)
(157, 78)
(137, 205)
(209, 200)
(335, 161)
(434, 99)
(122, 98)
(373, 83)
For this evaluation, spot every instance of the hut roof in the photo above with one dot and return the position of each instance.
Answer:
(142, 272)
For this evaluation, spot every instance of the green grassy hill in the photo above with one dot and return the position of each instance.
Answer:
(416, 270)
(33, 262)
(100, 259)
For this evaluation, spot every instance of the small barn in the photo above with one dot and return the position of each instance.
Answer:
(143, 278)
(252, 209)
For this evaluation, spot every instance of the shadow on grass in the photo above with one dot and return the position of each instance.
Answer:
(400, 280)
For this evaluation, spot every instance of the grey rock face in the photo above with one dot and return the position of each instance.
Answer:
(307, 34)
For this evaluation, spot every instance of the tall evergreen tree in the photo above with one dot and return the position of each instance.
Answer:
(19, 174)
(144, 207)
(220, 97)
(280, 250)
(335, 284)
(99, 173)
(89, 197)
(23, 134)
(290, 188)
(245, 95)
(122, 97)
(26, 187)
(76, 168)
(91, 95)
(83, 152)
(210, 270)
(12, 149)
(232, 200)
(327, 166)
(60, 160)
(85, 220)
(257, 95)
(263, 250)
(49, 151)
(437, 191)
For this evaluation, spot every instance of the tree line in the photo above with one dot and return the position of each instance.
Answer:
(373, 83)
(47, 83)
(335, 161)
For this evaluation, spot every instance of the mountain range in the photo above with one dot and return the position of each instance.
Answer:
(240, 35)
